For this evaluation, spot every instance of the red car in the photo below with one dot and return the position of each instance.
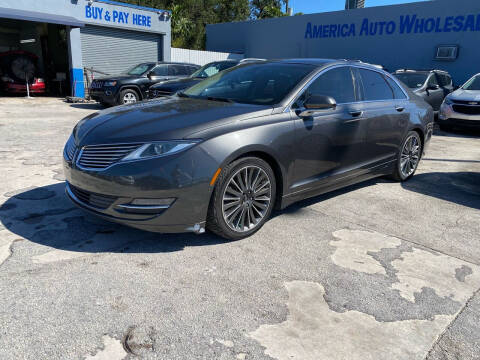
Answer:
(15, 68)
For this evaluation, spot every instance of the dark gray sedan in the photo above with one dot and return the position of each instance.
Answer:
(227, 151)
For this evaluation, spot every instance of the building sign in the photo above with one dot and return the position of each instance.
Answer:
(405, 24)
(117, 16)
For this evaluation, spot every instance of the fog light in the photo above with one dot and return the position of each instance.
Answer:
(108, 93)
(153, 202)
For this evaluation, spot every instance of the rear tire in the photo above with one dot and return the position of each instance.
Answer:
(409, 156)
(243, 198)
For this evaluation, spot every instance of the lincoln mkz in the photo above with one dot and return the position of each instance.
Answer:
(224, 153)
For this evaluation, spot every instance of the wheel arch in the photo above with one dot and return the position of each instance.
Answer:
(131, 87)
(273, 163)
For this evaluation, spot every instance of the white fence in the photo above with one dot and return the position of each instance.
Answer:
(201, 57)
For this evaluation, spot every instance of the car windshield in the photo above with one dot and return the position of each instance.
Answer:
(212, 68)
(255, 83)
(139, 69)
(472, 84)
(412, 80)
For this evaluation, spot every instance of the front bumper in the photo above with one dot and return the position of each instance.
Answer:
(447, 116)
(105, 96)
(105, 193)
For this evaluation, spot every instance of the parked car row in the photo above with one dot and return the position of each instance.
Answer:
(223, 153)
(452, 105)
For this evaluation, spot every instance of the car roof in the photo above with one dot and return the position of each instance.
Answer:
(399, 71)
(309, 61)
(175, 63)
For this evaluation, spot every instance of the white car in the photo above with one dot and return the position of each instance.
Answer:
(462, 107)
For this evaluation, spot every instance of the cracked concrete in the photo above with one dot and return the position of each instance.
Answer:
(351, 335)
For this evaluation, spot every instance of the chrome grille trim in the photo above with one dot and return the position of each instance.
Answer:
(99, 157)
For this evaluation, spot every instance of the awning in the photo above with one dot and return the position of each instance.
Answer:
(39, 17)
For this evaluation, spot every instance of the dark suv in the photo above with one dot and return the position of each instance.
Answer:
(132, 85)
(431, 85)
(166, 88)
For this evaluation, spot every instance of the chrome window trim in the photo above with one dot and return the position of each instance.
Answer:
(324, 70)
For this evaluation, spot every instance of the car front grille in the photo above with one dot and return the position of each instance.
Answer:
(96, 84)
(92, 199)
(466, 109)
(98, 157)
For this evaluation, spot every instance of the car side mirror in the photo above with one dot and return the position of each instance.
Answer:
(316, 103)
(433, 87)
(150, 75)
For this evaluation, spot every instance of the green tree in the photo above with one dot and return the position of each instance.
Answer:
(189, 17)
(261, 9)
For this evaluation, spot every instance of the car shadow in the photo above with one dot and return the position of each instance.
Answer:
(45, 216)
(88, 106)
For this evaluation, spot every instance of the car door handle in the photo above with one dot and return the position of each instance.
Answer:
(399, 108)
(356, 113)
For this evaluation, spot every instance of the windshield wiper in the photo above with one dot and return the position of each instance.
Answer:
(220, 99)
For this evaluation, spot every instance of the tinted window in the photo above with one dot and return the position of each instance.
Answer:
(444, 80)
(412, 80)
(255, 83)
(160, 70)
(337, 83)
(191, 69)
(397, 92)
(176, 70)
(432, 81)
(374, 86)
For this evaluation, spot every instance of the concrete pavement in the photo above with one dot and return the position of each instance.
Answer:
(379, 270)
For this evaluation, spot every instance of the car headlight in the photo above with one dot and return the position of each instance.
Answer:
(109, 83)
(161, 148)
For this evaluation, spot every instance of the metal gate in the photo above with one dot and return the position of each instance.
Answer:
(112, 51)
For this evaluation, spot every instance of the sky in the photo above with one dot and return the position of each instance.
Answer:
(314, 6)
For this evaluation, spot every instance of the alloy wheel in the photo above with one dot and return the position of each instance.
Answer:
(410, 156)
(246, 198)
(129, 98)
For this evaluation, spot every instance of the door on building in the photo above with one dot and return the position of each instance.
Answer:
(34, 53)
(111, 51)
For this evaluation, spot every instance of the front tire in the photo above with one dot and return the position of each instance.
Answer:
(128, 96)
(243, 198)
(408, 157)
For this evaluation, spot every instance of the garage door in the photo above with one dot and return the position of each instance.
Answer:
(113, 50)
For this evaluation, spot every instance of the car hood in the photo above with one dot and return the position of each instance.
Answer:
(175, 85)
(164, 119)
(466, 95)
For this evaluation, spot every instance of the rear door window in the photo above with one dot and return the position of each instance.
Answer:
(374, 86)
(160, 70)
(337, 83)
(397, 92)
